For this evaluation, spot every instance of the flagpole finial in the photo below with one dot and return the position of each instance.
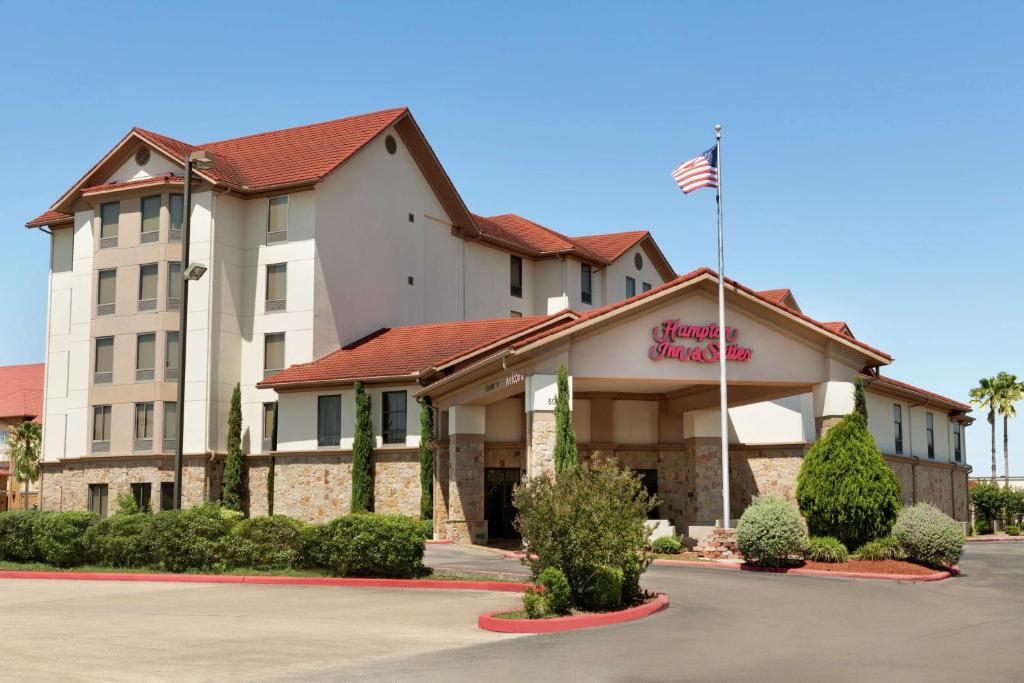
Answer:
(718, 130)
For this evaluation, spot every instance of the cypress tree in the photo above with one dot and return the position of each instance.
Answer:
(845, 489)
(426, 460)
(566, 457)
(362, 452)
(231, 489)
(860, 403)
(272, 466)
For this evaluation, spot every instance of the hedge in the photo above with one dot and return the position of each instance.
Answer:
(212, 538)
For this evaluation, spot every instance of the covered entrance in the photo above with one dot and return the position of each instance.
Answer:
(499, 483)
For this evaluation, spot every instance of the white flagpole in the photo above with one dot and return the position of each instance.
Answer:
(723, 403)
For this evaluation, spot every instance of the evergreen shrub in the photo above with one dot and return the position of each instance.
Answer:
(929, 536)
(17, 538)
(770, 532)
(122, 540)
(1013, 530)
(557, 595)
(988, 501)
(264, 543)
(667, 545)
(602, 589)
(60, 537)
(185, 540)
(388, 546)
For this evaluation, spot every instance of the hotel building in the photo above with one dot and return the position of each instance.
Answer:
(341, 251)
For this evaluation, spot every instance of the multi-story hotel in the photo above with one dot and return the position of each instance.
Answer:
(341, 251)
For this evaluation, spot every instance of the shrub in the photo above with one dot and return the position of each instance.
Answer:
(845, 489)
(426, 460)
(770, 532)
(263, 543)
(988, 501)
(17, 537)
(557, 596)
(583, 519)
(372, 545)
(231, 483)
(982, 527)
(533, 603)
(122, 540)
(887, 548)
(362, 453)
(602, 589)
(565, 455)
(1013, 506)
(826, 549)
(667, 545)
(126, 505)
(1013, 530)
(190, 539)
(425, 528)
(929, 536)
(60, 537)
(312, 546)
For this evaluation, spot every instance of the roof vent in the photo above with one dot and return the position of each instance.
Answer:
(638, 261)
(142, 156)
(390, 144)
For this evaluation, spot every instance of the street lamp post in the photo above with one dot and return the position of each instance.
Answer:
(200, 159)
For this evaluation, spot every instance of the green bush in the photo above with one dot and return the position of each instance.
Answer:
(425, 528)
(770, 532)
(583, 519)
(533, 603)
(122, 540)
(826, 549)
(982, 527)
(557, 595)
(1013, 506)
(667, 545)
(311, 546)
(126, 505)
(844, 488)
(60, 537)
(887, 548)
(263, 543)
(988, 501)
(17, 536)
(366, 544)
(191, 539)
(602, 589)
(1013, 530)
(929, 536)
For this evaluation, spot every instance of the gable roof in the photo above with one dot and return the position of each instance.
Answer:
(21, 391)
(404, 352)
(902, 388)
(783, 297)
(612, 245)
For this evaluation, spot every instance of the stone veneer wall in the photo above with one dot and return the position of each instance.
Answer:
(465, 522)
(675, 471)
(941, 484)
(317, 487)
(65, 485)
(540, 452)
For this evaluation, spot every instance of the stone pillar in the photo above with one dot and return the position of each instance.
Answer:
(466, 522)
(541, 392)
(833, 401)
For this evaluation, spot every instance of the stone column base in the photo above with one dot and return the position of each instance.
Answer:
(719, 544)
(466, 532)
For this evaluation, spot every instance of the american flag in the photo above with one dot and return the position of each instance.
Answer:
(700, 171)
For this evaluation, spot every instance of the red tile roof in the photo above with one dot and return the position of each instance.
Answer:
(777, 296)
(404, 351)
(612, 245)
(166, 179)
(839, 327)
(903, 386)
(531, 237)
(48, 218)
(21, 391)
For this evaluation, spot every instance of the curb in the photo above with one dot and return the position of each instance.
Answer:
(489, 622)
(483, 585)
(517, 555)
(801, 571)
(1007, 539)
(439, 541)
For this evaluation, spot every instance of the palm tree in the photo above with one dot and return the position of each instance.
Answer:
(984, 396)
(23, 444)
(1010, 391)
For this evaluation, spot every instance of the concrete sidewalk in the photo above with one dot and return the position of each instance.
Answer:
(473, 561)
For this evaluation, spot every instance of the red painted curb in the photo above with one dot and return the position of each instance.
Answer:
(801, 571)
(439, 541)
(1007, 539)
(500, 586)
(517, 555)
(489, 622)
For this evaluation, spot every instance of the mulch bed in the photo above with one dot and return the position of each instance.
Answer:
(871, 567)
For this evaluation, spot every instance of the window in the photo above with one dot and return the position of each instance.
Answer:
(328, 421)
(144, 426)
(393, 407)
(103, 362)
(273, 353)
(109, 214)
(269, 421)
(897, 427)
(277, 287)
(101, 429)
(145, 356)
(106, 291)
(515, 314)
(929, 430)
(174, 283)
(630, 287)
(171, 356)
(957, 449)
(143, 495)
(98, 499)
(147, 287)
(516, 275)
(170, 426)
(167, 495)
(647, 287)
(277, 220)
(174, 208)
(150, 207)
(586, 283)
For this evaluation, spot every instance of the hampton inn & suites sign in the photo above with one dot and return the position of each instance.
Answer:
(676, 340)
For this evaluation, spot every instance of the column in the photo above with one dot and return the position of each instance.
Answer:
(466, 522)
(833, 400)
(541, 391)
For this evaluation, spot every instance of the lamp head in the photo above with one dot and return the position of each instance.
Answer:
(194, 271)
(201, 159)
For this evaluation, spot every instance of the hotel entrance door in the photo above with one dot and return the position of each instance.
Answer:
(501, 513)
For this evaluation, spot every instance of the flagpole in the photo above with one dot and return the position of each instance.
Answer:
(723, 400)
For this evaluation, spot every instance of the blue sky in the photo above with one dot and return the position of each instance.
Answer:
(871, 161)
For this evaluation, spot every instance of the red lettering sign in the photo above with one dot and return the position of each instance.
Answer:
(705, 346)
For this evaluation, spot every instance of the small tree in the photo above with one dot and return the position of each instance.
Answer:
(988, 500)
(272, 464)
(362, 452)
(231, 489)
(426, 460)
(23, 449)
(566, 457)
(845, 489)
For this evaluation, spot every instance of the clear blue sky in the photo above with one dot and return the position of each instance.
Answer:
(872, 160)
